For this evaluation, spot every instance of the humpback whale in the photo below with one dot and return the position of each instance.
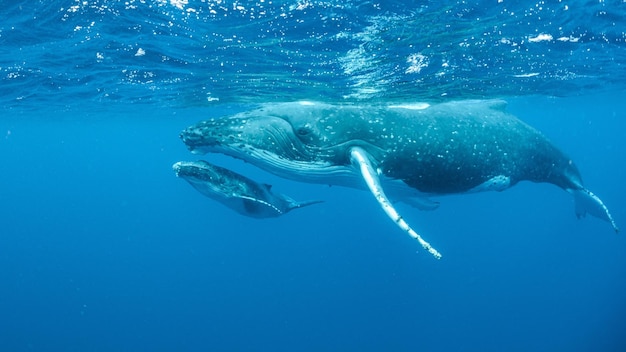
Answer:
(405, 152)
(235, 191)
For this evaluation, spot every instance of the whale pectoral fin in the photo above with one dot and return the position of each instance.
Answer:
(587, 202)
(254, 207)
(294, 204)
(361, 160)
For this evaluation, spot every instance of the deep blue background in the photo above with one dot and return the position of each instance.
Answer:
(102, 248)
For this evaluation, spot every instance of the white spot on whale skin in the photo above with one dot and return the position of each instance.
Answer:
(496, 183)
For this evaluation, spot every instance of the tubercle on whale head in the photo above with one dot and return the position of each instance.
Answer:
(244, 134)
(199, 169)
(196, 139)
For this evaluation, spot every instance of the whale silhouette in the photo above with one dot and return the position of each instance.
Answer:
(403, 152)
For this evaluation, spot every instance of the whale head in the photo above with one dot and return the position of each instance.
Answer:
(299, 140)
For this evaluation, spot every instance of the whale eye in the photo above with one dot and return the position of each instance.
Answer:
(303, 131)
(306, 133)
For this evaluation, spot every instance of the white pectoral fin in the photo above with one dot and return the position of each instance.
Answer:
(361, 160)
(587, 202)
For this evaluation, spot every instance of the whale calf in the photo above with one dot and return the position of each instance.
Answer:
(235, 191)
(405, 152)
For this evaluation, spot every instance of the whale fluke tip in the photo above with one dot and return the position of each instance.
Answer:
(587, 202)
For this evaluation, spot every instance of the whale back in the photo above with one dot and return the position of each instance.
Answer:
(454, 150)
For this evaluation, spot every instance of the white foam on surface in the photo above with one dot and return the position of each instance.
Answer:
(540, 38)
(412, 106)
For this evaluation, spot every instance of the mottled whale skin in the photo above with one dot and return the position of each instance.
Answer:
(412, 151)
(235, 191)
(440, 149)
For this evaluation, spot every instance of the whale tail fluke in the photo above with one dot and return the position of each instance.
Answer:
(587, 202)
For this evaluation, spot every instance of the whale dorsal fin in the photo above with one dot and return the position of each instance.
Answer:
(361, 160)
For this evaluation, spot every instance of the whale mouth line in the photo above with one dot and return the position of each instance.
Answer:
(308, 171)
(296, 161)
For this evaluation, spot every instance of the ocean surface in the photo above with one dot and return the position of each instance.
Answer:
(102, 248)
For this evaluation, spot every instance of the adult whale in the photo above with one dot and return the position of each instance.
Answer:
(236, 191)
(407, 152)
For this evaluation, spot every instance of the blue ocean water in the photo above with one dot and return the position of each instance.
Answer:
(102, 248)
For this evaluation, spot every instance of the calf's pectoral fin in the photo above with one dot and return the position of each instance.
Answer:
(587, 202)
(255, 205)
(293, 204)
(362, 161)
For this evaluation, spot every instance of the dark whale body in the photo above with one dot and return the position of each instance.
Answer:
(407, 151)
(437, 152)
(236, 191)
